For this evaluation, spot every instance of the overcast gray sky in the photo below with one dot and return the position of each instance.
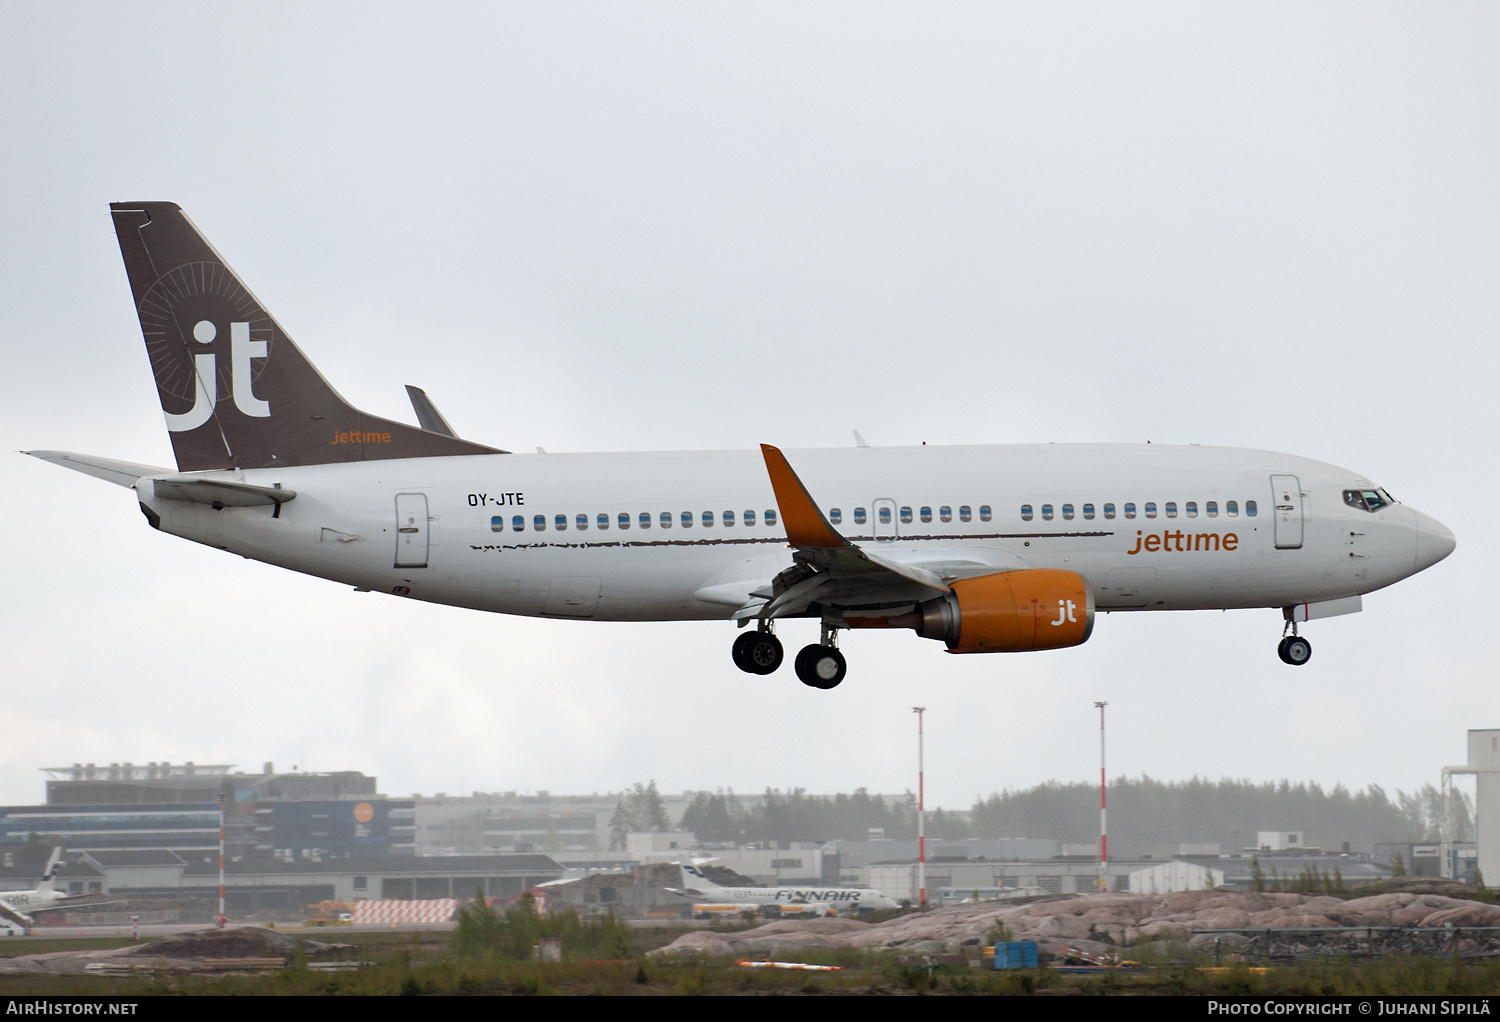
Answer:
(659, 226)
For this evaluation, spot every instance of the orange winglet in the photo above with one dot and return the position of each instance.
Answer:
(805, 524)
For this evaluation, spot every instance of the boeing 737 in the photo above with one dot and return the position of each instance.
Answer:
(985, 549)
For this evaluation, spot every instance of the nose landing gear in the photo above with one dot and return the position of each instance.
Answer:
(1294, 649)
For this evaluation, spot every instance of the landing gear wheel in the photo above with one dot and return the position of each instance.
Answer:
(757, 652)
(1295, 650)
(821, 666)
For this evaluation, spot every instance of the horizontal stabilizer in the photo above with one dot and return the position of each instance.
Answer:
(221, 493)
(121, 473)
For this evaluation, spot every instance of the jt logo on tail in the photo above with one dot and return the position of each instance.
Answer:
(241, 350)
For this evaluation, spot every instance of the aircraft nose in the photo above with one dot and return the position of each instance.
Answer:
(1434, 541)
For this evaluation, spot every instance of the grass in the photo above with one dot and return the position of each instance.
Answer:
(420, 964)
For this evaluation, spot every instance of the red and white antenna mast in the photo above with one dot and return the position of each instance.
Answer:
(921, 821)
(1103, 824)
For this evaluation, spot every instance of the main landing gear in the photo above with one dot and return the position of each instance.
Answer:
(1294, 649)
(820, 665)
(757, 652)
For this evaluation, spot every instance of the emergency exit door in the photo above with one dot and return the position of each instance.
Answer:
(411, 530)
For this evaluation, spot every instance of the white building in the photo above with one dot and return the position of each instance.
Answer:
(1177, 875)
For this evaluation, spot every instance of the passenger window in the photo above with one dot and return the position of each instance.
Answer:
(1211, 509)
(770, 516)
(644, 519)
(1249, 509)
(539, 523)
(497, 523)
(561, 521)
(1150, 509)
(835, 516)
(708, 519)
(518, 523)
(623, 521)
(1191, 507)
(906, 515)
(945, 513)
(885, 516)
(1068, 512)
(728, 518)
(1025, 512)
(749, 517)
(687, 519)
(964, 514)
(1129, 510)
(1171, 509)
(859, 516)
(1046, 512)
(1109, 510)
(926, 513)
(666, 519)
(581, 523)
(1232, 508)
(1088, 511)
(984, 512)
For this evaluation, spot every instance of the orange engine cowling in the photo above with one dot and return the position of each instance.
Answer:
(1008, 612)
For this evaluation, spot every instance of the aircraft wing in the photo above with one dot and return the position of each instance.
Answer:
(832, 571)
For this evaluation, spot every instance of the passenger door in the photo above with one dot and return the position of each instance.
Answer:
(1286, 493)
(883, 521)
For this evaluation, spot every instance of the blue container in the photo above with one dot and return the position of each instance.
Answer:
(1018, 954)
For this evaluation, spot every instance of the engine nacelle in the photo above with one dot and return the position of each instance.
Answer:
(1008, 612)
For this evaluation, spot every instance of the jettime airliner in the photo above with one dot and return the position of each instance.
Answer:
(986, 549)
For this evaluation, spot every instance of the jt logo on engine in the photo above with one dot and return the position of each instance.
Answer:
(241, 350)
(1065, 610)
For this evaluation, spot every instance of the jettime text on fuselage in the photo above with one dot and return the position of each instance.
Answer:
(1183, 542)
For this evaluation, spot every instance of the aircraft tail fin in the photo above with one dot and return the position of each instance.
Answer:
(236, 392)
(694, 879)
(49, 878)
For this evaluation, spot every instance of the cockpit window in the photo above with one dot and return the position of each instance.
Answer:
(1368, 500)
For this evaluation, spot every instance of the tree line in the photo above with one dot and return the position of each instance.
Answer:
(1145, 814)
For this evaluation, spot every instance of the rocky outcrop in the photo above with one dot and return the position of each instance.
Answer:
(1098, 922)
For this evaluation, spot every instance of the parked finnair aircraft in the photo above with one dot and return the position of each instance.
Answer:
(985, 548)
(847, 900)
(17, 907)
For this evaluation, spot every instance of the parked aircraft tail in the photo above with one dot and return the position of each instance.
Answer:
(49, 878)
(694, 879)
(237, 393)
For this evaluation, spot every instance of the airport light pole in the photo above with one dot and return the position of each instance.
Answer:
(1103, 824)
(221, 919)
(921, 820)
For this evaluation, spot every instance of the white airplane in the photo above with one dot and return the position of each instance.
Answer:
(847, 900)
(983, 548)
(18, 907)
